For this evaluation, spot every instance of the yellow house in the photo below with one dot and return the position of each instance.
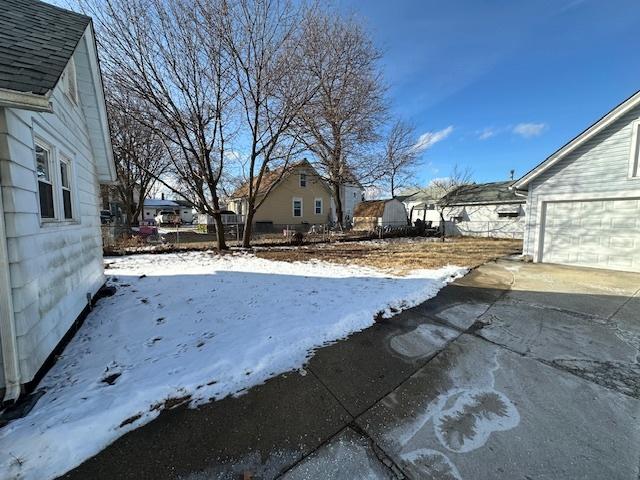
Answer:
(296, 197)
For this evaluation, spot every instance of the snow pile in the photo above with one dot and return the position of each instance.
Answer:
(191, 328)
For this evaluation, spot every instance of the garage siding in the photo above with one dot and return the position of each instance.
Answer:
(599, 167)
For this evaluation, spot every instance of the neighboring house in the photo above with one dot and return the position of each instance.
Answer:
(153, 207)
(584, 199)
(55, 151)
(484, 210)
(351, 194)
(421, 205)
(112, 203)
(371, 214)
(297, 198)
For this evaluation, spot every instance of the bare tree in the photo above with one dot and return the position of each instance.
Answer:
(264, 40)
(442, 188)
(157, 50)
(348, 107)
(401, 157)
(139, 154)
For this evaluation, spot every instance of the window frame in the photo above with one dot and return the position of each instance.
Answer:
(293, 207)
(315, 206)
(65, 159)
(47, 147)
(70, 81)
(58, 152)
(303, 180)
(634, 154)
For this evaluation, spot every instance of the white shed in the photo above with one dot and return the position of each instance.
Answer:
(55, 150)
(379, 213)
(584, 199)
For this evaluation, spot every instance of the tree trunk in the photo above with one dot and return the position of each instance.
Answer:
(217, 217)
(339, 213)
(248, 226)
(443, 226)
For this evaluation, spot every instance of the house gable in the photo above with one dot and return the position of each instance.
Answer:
(619, 114)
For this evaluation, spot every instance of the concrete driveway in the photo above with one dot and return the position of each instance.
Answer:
(518, 371)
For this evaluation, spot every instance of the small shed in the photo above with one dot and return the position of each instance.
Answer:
(371, 214)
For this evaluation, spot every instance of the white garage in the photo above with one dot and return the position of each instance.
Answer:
(603, 233)
(584, 200)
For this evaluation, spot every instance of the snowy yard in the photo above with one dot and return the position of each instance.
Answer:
(193, 327)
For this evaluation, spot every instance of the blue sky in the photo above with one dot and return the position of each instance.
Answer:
(504, 82)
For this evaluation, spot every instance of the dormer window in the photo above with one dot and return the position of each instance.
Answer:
(69, 81)
(634, 161)
(303, 180)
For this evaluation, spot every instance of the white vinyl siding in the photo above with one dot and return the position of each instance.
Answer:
(598, 169)
(53, 265)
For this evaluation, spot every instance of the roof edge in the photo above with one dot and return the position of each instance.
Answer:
(25, 101)
(585, 135)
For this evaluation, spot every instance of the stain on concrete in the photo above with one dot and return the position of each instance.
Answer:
(422, 341)
(463, 315)
(427, 464)
(474, 416)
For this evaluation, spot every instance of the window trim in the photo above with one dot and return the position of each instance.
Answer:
(293, 207)
(303, 179)
(634, 154)
(46, 146)
(47, 141)
(70, 81)
(67, 160)
(315, 206)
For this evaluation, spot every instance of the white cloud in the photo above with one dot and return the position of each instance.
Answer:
(429, 139)
(487, 133)
(528, 130)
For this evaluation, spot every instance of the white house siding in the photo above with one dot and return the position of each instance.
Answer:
(485, 221)
(53, 266)
(596, 170)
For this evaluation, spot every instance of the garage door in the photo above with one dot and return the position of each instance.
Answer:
(593, 233)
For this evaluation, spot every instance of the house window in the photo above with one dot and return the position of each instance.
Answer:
(318, 206)
(303, 179)
(70, 82)
(297, 207)
(45, 184)
(65, 184)
(634, 162)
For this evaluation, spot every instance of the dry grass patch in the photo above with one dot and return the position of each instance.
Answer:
(401, 255)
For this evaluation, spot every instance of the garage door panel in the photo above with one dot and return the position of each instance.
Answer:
(600, 233)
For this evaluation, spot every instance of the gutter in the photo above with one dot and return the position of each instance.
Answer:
(10, 360)
(25, 101)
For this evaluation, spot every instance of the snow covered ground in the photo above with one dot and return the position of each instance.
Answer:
(193, 327)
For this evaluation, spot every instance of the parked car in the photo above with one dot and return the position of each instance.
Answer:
(168, 217)
(105, 217)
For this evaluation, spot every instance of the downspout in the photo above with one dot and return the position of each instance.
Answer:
(10, 360)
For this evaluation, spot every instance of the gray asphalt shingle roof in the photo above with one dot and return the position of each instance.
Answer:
(36, 42)
(482, 193)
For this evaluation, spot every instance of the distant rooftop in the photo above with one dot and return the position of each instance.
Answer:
(158, 202)
(483, 193)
